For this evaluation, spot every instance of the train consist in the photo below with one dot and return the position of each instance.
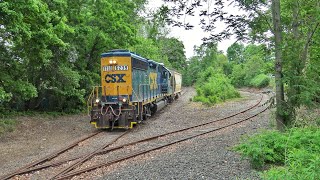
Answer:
(132, 89)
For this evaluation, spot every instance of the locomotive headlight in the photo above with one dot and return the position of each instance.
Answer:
(122, 100)
(112, 61)
(97, 100)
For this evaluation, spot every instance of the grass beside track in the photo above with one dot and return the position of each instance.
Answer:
(7, 125)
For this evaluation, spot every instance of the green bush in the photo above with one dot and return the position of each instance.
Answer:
(266, 147)
(297, 150)
(250, 73)
(260, 81)
(301, 164)
(238, 75)
(4, 96)
(213, 88)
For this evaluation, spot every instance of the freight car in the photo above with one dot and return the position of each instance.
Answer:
(132, 89)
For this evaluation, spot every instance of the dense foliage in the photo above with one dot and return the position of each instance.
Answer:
(294, 154)
(214, 87)
(207, 71)
(254, 68)
(50, 50)
(260, 81)
(215, 74)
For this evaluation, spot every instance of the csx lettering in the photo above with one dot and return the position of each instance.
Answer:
(115, 78)
(153, 80)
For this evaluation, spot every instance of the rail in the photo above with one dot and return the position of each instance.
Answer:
(140, 152)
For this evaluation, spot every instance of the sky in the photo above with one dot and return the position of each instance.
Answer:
(193, 37)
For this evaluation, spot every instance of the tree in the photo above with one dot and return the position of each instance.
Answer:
(278, 64)
(174, 50)
(51, 49)
(33, 38)
(301, 22)
(190, 74)
(235, 53)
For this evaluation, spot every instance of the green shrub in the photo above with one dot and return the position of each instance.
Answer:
(260, 81)
(238, 75)
(213, 88)
(266, 147)
(318, 121)
(301, 164)
(4, 96)
(297, 150)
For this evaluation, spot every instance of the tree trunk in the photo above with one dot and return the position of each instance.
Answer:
(278, 65)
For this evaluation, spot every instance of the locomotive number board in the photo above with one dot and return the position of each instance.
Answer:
(115, 68)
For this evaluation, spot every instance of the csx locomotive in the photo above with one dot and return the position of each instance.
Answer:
(132, 89)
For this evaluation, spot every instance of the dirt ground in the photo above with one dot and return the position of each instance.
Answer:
(37, 136)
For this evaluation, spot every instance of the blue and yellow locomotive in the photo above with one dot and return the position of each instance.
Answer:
(132, 89)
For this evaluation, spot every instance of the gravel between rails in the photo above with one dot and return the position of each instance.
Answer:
(205, 157)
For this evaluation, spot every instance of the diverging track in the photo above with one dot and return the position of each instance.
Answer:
(59, 157)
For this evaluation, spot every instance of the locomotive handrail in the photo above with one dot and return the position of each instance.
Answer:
(89, 101)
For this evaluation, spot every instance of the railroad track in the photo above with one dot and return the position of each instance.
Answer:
(164, 140)
(142, 150)
(41, 163)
